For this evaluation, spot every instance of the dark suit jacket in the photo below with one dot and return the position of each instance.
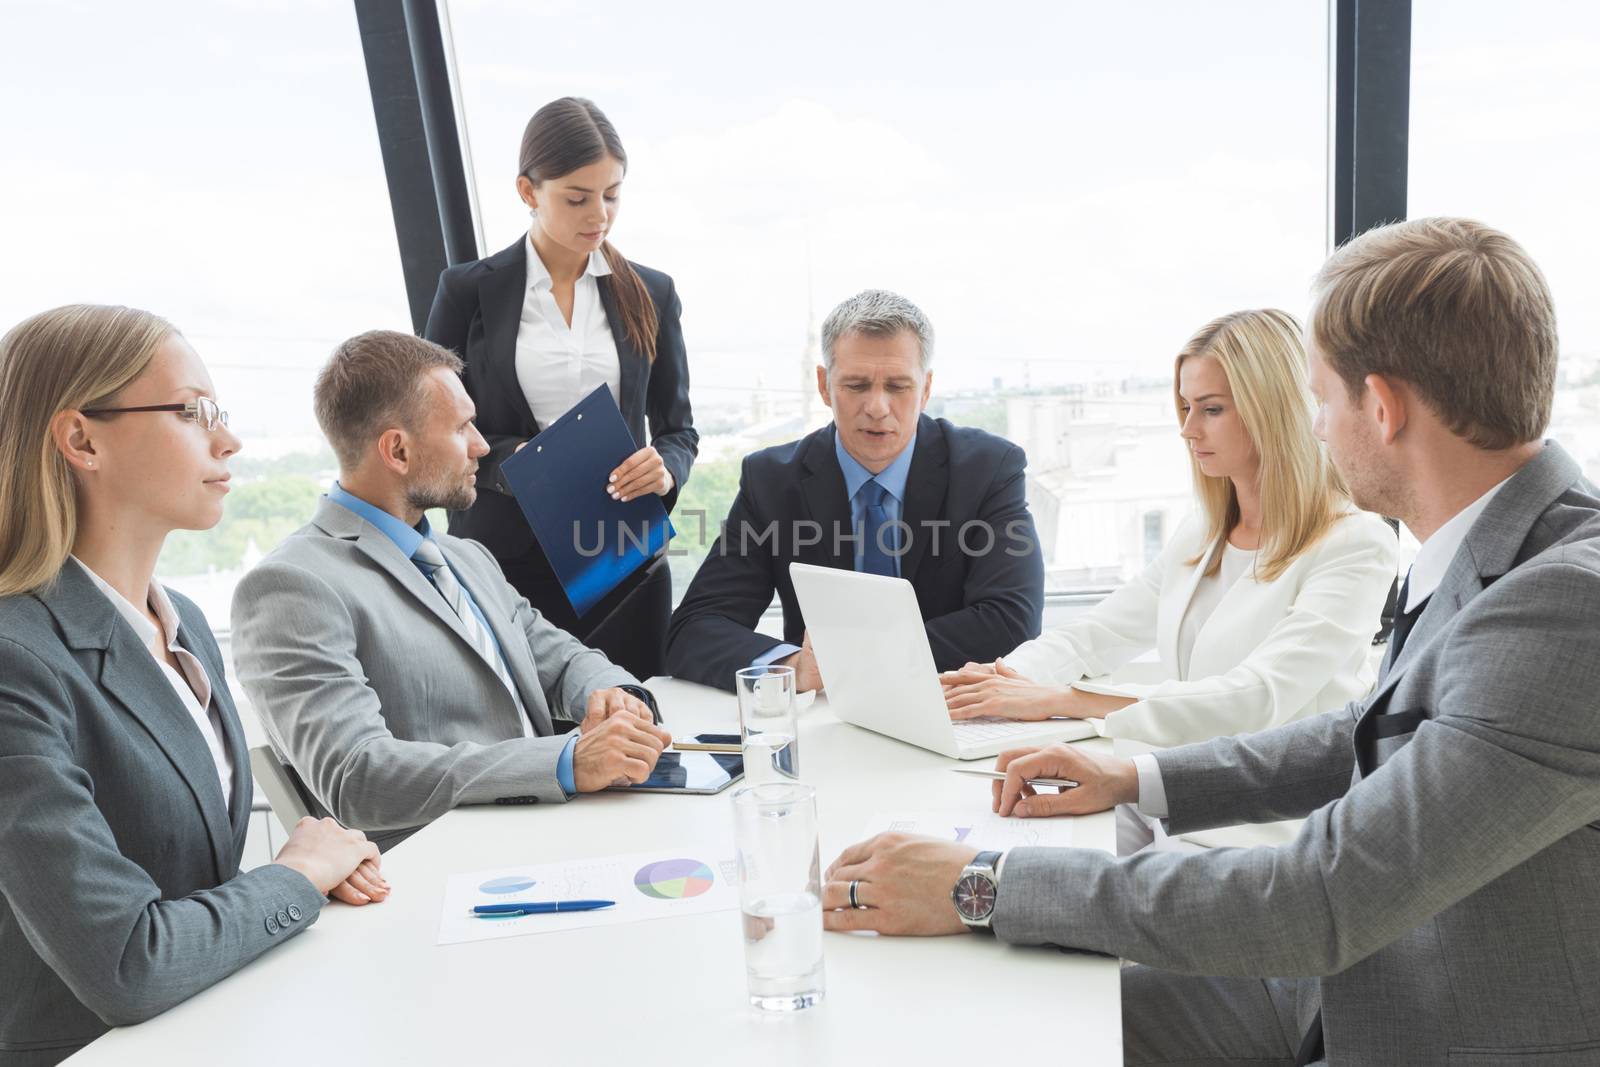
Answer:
(120, 891)
(977, 605)
(476, 313)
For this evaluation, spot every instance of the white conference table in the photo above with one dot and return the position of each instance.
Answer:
(371, 985)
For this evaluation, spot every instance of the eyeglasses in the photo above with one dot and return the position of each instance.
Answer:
(202, 410)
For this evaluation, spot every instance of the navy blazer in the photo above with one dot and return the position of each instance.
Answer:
(977, 604)
(476, 313)
(120, 891)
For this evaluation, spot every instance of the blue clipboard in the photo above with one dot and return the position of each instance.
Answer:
(593, 542)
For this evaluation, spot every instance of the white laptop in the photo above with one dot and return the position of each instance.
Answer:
(878, 670)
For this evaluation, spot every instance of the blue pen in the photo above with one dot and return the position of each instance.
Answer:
(541, 907)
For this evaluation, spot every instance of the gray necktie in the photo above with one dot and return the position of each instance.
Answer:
(431, 561)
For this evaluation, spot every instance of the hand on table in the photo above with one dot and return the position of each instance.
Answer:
(981, 690)
(807, 678)
(643, 472)
(1103, 781)
(903, 885)
(338, 861)
(620, 749)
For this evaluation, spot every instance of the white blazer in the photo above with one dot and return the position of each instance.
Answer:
(1270, 653)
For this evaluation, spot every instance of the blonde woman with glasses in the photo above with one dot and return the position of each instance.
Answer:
(125, 785)
(1263, 605)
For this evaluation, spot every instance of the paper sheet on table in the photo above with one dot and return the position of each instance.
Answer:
(660, 884)
(981, 829)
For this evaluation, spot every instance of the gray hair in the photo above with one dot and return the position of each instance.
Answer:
(877, 313)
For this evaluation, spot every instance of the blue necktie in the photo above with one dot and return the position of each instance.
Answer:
(877, 542)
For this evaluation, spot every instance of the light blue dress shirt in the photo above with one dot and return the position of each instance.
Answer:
(407, 539)
(892, 478)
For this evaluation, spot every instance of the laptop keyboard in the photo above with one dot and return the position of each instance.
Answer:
(974, 731)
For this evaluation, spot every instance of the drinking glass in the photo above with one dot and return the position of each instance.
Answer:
(767, 727)
(780, 894)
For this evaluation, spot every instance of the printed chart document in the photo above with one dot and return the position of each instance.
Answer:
(980, 829)
(646, 885)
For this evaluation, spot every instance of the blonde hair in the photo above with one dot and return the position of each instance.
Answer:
(1302, 495)
(1453, 308)
(67, 358)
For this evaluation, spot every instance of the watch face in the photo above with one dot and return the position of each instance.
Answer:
(974, 897)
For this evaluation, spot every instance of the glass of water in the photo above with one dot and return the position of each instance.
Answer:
(767, 724)
(780, 894)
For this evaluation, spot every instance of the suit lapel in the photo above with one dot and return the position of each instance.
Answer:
(339, 521)
(822, 487)
(513, 642)
(500, 294)
(629, 359)
(1490, 549)
(234, 741)
(1177, 606)
(926, 485)
(130, 675)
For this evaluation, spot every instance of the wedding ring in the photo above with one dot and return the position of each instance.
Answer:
(854, 903)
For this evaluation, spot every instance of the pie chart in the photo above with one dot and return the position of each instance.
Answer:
(513, 884)
(674, 879)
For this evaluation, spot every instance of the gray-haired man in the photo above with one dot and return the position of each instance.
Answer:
(885, 489)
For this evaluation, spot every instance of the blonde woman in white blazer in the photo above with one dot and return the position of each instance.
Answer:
(1263, 605)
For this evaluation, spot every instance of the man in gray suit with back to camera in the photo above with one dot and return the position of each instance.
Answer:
(1440, 903)
(393, 666)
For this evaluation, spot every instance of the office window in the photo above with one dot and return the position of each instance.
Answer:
(218, 165)
(1069, 191)
(1154, 535)
(1505, 127)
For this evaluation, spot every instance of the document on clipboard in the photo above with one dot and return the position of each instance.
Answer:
(593, 542)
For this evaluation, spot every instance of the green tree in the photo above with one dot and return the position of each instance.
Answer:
(263, 511)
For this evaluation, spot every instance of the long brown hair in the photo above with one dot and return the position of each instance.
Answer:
(72, 357)
(1302, 495)
(570, 133)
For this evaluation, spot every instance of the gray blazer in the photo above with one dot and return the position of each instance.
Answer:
(1446, 885)
(120, 891)
(367, 683)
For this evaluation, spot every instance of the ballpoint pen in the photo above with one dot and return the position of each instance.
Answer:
(702, 746)
(1000, 776)
(540, 907)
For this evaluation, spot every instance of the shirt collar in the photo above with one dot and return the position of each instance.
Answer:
(892, 478)
(147, 633)
(1434, 557)
(407, 538)
(539, 275)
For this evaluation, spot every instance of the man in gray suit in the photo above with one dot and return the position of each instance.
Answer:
(1439, 904)
(393, 666)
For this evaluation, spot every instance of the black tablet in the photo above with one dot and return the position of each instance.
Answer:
(690, 772)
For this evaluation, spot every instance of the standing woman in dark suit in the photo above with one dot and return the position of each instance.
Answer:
(124, 778)
(544, 322)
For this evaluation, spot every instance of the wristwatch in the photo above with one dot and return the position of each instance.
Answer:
(977, 889)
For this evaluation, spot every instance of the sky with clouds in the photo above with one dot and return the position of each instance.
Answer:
(1068, 189)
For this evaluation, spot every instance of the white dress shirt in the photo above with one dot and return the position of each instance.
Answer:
(558, 364)
(1433, 560)
(1435, 554)
(193, 686)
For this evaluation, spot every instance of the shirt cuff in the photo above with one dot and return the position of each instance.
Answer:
(564, 776)
(1152, 790)
(776, 652)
